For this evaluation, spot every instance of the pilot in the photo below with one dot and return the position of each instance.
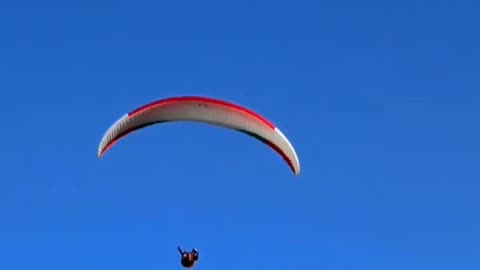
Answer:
(188, 259)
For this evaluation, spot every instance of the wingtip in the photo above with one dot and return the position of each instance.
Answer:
(99, 153)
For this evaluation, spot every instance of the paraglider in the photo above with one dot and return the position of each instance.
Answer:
(206, 110)
(188, 259)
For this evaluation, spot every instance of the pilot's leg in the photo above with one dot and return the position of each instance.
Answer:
(180, 250)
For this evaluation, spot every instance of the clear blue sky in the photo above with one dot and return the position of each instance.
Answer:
(380, 98)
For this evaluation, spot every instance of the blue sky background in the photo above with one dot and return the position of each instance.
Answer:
(380, 98)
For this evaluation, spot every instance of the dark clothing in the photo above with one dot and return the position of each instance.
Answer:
(188, 258)
(187, 261)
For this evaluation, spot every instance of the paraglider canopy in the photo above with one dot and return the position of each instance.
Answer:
(207, 110)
